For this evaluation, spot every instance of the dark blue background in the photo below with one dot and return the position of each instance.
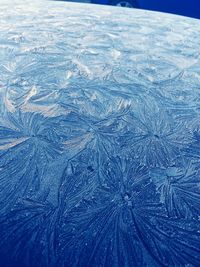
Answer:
(182, 7)
(189, 8)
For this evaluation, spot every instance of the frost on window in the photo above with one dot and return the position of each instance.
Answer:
(99, 137)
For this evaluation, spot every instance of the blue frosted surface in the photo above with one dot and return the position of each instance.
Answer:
(99, 137)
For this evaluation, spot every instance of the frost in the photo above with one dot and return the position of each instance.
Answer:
(99, 137)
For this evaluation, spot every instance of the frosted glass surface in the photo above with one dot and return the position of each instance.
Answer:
(99, 137)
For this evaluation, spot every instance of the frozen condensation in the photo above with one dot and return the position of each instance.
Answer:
(99, 137)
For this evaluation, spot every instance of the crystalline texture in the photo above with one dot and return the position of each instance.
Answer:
(99, 137)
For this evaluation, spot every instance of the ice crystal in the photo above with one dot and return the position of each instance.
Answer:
(99, 137)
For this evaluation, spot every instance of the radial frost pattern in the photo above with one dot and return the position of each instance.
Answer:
(99, 137)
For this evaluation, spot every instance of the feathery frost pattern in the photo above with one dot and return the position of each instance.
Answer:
(99, 137)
